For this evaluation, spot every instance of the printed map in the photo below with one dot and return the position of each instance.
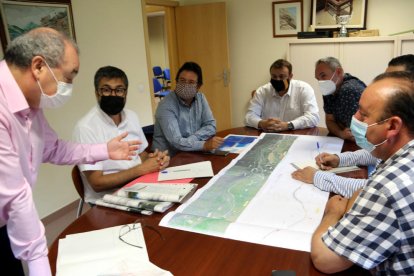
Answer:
(255, 199)
(223, 202)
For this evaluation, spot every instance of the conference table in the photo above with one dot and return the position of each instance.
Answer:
(187, 253)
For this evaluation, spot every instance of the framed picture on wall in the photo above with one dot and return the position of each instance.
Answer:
(287, 18)
(18, 17)
(324, 13)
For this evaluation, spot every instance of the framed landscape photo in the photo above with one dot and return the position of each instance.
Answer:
(18, 17)
(324, 13)
(287, 18)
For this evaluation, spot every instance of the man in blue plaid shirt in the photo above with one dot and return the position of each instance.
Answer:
(377, 232)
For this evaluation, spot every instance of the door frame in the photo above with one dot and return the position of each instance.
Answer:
(170, 28)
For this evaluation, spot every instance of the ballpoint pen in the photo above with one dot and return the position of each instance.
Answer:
(319, 154)
(183, 170)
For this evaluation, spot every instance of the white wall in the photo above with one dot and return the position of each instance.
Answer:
(111, 32)
(157, 41)
(108, 32)
(253, 48)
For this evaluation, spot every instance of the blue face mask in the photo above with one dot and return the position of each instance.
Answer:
(359, 130)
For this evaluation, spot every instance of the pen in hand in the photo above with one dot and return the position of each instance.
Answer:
(319, 155)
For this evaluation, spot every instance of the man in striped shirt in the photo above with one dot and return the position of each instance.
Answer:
(344, 186)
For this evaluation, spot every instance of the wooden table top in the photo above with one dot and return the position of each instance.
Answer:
(187, 253)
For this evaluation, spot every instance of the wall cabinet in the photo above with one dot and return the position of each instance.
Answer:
(363, 57)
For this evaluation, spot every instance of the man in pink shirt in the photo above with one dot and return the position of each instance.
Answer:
(36, 73)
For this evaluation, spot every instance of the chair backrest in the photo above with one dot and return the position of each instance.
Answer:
(167, 75)
(157, 71)
(149, 133)
(157, 85)
(253, 93)
(77, 181)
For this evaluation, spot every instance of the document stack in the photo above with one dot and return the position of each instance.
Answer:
(146, 198)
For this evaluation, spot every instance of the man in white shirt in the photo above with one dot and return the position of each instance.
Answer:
(283, 103)
(107, 119)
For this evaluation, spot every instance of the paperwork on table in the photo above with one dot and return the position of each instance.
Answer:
(102, 252)
(193, 170)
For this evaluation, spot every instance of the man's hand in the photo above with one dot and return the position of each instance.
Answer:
(324, 259)
(122, 150)
(273, 125)
(327, 161)
(346, 134)
(162, 157)
(305, 175)
(151, 164)
(213, 143)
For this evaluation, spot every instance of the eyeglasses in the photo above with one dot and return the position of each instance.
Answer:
(183, 81)
(124, 230)
(133, 241)
(107, 91)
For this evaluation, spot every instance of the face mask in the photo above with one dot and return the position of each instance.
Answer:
(112, 105)
(280, 85)
(359, 130)
(62, 95)
(327, 87)
(186, 91)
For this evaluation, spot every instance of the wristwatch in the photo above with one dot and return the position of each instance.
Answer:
(290, 126)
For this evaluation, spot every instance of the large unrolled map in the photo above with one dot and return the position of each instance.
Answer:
(255, 199)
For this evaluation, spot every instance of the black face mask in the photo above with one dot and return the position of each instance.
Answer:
(112, 105)
(280, 85)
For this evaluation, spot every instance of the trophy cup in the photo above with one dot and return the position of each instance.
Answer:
(343, 20)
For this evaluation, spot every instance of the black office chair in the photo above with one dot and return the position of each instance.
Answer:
(149, 133)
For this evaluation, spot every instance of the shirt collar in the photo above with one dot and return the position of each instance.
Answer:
(106, 118)
(182, 102)
(289, 92)
(399, 152)
(13, 95)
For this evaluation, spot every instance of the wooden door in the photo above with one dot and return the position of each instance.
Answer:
(202, 37)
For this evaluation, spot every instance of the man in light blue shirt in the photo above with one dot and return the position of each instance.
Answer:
(183, 120)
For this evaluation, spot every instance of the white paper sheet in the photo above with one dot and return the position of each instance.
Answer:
(193, 170)
(101, 252)
(245, 202)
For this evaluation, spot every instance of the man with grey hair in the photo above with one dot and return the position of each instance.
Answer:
(37, 73)
(341, 92)
(344, 186)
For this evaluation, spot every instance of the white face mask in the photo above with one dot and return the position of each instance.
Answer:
(62, 95)
(327, 87)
